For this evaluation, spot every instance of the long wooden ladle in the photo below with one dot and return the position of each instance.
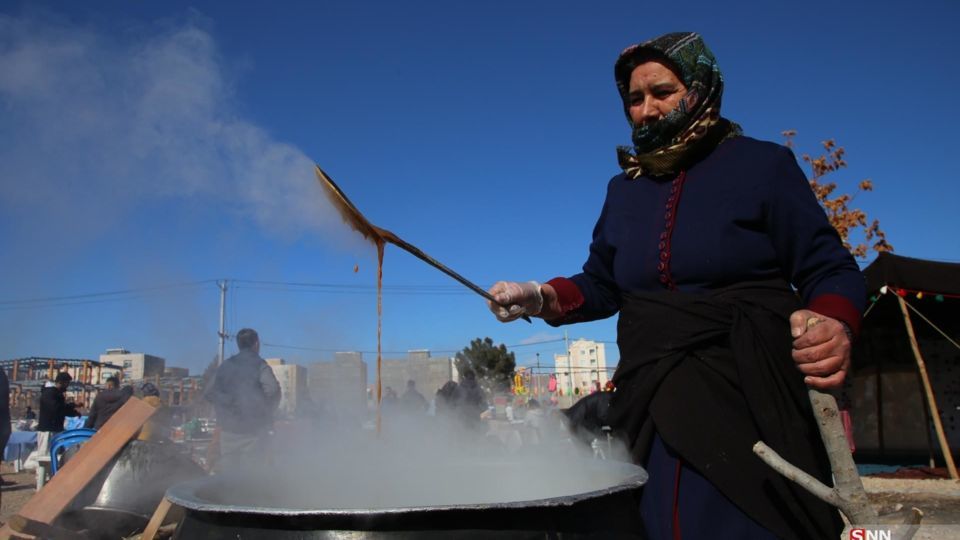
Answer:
(359, 223)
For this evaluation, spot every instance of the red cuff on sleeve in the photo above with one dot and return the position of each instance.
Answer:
(568, 294)
(837, 307)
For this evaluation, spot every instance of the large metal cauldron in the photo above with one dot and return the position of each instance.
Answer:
(215, 508)
(124, 495)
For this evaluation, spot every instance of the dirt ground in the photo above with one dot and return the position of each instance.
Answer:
(17, 489)
(939, 499)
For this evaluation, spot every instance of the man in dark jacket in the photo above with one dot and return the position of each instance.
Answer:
(53, 404)
(245, 394)
(470, 400)
(108, 401)
(412, 401)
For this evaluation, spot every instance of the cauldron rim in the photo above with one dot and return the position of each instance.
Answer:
(186, 495)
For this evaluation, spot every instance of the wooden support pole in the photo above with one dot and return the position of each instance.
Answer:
(156, 520)
(928, 389)
(847, 494)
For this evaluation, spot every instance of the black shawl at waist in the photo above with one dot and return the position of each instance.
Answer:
(712, 374)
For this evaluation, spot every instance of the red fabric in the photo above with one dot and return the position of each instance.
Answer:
(848, 429)
(568, 294)
(837, 307)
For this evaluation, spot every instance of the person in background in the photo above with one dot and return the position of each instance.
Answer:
(245, 394)
(156, 427)
(54, 408)
(389, 400)
(29, 420)
(445, 400)
(412, 401)
(470, 400)
(107, 403)
(534, 420)
(734, 293)
(5, 427)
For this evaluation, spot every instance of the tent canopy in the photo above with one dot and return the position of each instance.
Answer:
(889, 409)
(912, 274)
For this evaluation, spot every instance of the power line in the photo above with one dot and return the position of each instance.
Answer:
(277, 286)
(102, 294)
(293, 285)
(371, 291)
(52, 302)
(557, 340)
(318, 349)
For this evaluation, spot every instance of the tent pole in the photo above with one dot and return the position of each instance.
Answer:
(931, 401)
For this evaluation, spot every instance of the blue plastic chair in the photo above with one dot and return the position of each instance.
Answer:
(65, 439)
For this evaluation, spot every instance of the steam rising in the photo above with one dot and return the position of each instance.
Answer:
(422, 461)
(95, 124)
(123, 156)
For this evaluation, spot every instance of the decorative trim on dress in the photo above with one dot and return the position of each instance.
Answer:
(669, 218)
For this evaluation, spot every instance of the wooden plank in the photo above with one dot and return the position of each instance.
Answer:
(93, 456)
(156, 520)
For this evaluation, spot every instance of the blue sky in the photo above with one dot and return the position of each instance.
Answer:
(154, 147)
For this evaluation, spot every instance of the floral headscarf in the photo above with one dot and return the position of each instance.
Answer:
(695, 127)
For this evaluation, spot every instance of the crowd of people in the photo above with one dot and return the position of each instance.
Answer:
(245, 395)
(57, 413)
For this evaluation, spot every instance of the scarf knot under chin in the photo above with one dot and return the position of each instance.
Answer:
(690, 147)
(695, 127)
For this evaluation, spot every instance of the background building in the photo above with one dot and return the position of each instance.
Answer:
(339, 387)
(293, 384)
(28, 375)
(429, 373)
(583, 370)
(176, 372)
(82, 370)
(136, 366)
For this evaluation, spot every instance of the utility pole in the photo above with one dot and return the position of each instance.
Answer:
(222, 284)
(536, 376)
(566, 344)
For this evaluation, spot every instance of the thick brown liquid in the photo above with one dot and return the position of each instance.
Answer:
(380, 245)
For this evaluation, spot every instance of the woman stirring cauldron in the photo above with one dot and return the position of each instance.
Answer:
(734, 294)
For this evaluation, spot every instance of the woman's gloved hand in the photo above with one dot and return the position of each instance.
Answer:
(520, 298)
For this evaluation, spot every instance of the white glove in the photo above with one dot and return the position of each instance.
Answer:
(520, 299)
